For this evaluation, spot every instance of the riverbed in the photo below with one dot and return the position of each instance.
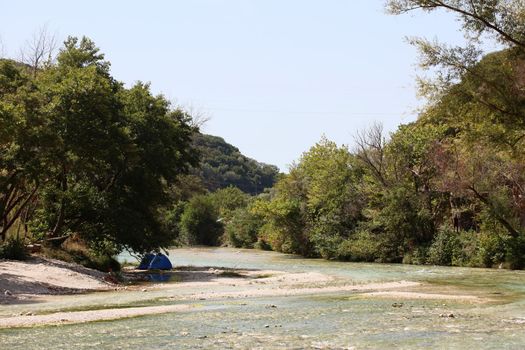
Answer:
(247, 299)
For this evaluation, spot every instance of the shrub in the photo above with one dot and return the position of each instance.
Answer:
(363, 246)
(13, 249)
(491, 249)
(418, 256)
(104, 263)
(199, 222)
(442, 248)
(242, 229)
(262, 245)
(515, 253)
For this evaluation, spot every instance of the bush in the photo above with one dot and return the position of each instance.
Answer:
(199, 222)
(13, 249)
(416, 257)
(363, 246)
(491, 249)
(515, 253)
(104, 263)
(242, 229)
(442, 248)
(262, 245)
(467, 248)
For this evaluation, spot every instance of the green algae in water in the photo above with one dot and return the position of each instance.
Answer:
(295, 323)
(338, 321)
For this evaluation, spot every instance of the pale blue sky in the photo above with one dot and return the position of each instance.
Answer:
(274, 75)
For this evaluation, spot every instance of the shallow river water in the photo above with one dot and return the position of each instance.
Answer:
(344, 320)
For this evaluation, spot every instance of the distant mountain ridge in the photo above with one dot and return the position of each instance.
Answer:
(223, 165)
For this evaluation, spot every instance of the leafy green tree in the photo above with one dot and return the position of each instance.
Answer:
(242, 230)
(82, 154)
(502, 18)
(26, 144)
(200, 223)
(227, 200)
(317, 205)
(479, 101)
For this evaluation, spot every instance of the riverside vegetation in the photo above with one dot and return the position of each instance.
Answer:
(82, 156)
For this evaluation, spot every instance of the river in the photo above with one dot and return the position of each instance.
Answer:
(338, 320)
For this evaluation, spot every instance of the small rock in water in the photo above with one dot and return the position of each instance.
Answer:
(266, 326)
(397, 305)
(271, 306)
(144, 290)
(8, 292)
(451, 315)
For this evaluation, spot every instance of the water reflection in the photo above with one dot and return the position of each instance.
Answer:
(159, 277)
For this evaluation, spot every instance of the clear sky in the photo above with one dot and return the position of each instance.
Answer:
(273, 75)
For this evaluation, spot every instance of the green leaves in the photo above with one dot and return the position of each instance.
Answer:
(82, 154)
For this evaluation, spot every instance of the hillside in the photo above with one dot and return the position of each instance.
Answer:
(223, 165)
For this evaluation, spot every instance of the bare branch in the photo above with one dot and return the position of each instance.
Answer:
(370, 144)
(40, 50)
(502, 18)
(2, 48)
(198, 117)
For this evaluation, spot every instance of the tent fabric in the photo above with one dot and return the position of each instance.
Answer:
(146, 261)
(160, 262)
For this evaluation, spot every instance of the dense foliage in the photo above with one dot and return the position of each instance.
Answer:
(204, 217)
(222, 165)
(80, 153)
(447, 189)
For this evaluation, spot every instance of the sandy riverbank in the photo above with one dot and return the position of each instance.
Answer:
(20, 280)
(44, 279)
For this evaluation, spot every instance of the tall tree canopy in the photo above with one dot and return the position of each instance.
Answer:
(82, 154)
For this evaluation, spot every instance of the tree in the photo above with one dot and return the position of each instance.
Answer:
(242, 230)
(501, 18)
(25, 144)
(82, 154)
(479, 102)
(200, 222)
(39, 50)
(316, 206)
(370, 150)
(2, 48)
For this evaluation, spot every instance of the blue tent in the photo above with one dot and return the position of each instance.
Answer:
(160, 262)
(146, 261)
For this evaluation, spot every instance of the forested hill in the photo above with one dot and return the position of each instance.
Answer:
(223, 165)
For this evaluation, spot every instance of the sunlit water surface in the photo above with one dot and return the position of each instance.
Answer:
(339, 321)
